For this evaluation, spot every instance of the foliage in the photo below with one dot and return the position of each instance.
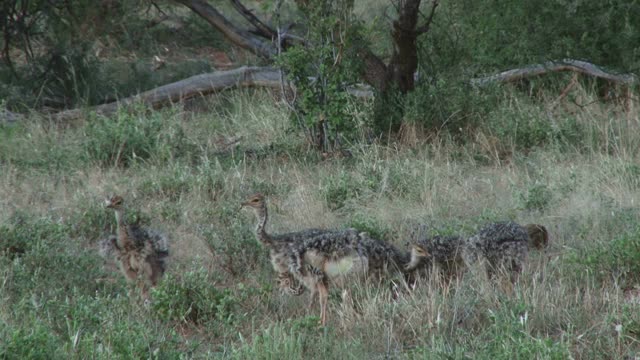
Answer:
(508, 337)
(370, 226)
(191, 298)
(134, 137)
(38, 146)
(56, 41)
(519, 33)
(538, 197)
(35, 342)
(340, 188)
(616, 260)
(232, 241)
(26, 234)
(323, 70)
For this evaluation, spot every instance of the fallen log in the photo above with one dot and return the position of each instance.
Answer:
(578, 66)
(198, 85)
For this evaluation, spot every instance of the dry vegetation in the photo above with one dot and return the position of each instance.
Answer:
(218, 300)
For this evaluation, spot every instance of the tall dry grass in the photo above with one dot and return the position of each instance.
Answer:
(585, 192)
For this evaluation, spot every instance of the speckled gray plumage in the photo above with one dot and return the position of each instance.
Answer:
(445, 252)
(502, 245)
(382, 255)
(141, 253)
(330, 246)
(152, 245)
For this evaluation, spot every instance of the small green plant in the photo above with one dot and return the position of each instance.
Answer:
(191, 298)
(524, 129)
(169, 185)
(341, 188)
(374, 228)
(135, 136)
(25, 234)
(538, 197)
(616, 260)
(323, 71)
(508, 337)
(274, 342)
(33, 342)
(231, 240)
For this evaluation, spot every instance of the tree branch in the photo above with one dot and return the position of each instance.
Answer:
(239, 37)
(424, 28)
(184, 89)
(199, 85)
(262, 29)
(578, 66)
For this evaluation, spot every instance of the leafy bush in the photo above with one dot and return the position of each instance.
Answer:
(538, 197)
(232, 241)
(507, 337)
(36, 145)
(322, 107)
(27, 234)
(33, 342)
(135, 136)
(340, 188)
(615, 260)
(374, 228)
(169, 184)
(520, 128)
(448, 104)
(192, 298)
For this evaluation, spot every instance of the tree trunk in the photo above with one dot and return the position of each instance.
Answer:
(404, 61)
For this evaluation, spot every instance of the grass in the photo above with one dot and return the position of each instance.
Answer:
(58, 300)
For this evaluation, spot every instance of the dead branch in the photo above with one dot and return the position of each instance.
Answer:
(578, 66)
(199, 85)
(8, 117)
(425, 28)
(237, 36)
(263, 29)
(184, 89)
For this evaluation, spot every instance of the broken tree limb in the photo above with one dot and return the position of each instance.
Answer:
(578, 66)
(184, 89)
(234, 34)
(198, 85)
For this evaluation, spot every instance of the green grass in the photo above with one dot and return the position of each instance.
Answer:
(218, 300)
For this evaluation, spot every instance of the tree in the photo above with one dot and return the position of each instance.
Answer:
(388, 79)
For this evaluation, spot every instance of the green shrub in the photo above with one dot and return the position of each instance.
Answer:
(27, 234)
(538, 197)
(36, 145)
(374, 228)
(340, 188)
(171, 183)
(448, 104)
(571, 134)
(521, 128)
(132, 137)
(616, 260)
(35, 341)
(127, 338)
(192, 298)
(333, 63)
(508, 337)
(232, 241)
